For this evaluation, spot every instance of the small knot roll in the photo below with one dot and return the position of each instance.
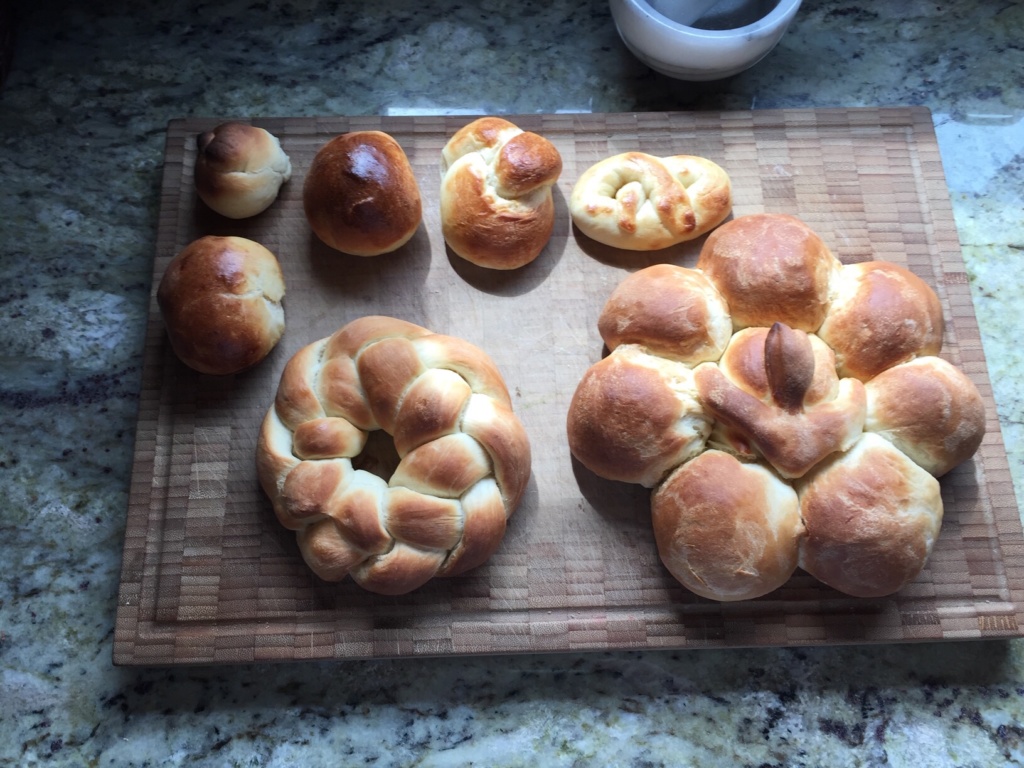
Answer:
(240, 169)
(639, 202)
(497, 207)
(360, 195)
(220, 299)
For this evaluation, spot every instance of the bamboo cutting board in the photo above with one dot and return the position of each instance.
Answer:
(210, 576)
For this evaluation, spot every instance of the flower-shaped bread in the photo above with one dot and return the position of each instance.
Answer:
(787, 410)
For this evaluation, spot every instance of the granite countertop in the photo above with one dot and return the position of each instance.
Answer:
(82, 121)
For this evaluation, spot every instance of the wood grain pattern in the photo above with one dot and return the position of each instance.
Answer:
(209, 575)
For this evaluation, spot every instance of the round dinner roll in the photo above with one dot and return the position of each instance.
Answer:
(220, 299)
(727, 530)
(928, 409)
(882, 315)
(871, 516)
(639, 202)
(671, 311)
(240, 169)
(360, 195)
(635, 416)
(497, 209)
(770, 268)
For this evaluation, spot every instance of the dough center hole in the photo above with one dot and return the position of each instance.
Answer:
(379, 456)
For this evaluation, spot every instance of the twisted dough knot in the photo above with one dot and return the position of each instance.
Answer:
(464, 456)
(787, 410)
(497, 209)
(642, 203)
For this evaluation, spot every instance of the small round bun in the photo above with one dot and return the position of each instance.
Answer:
(770, 268)
(220, 299)
(497, 210)
(882, 315)
(639, 202)
(671, 311)
(727, 530)
(928, 409)
(635, 416)
(872, 516)
(360, 195)
(239, 169)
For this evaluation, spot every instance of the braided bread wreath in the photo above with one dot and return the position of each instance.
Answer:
(787, 410)
(465, 457)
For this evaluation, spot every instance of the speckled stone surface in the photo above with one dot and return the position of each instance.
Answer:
(82, 120)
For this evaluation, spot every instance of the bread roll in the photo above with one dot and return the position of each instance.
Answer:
(727, 530)
(770, 268)
(639, 202)
(360, 195)
(635, 416)
(882, 315)
(671, 311)
(220, 299)
(497, 209)
(928, 409)
(240, 169)
(872, 516)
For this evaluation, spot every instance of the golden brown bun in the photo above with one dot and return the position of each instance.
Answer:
(220, 299)
(872, 516)
(639, 202)
(770, 268)
(673, 312)
(727, 530)
(928, 409)
(240, 169)
(360, 195)
(882, 315)
(635, 416)
(497, 209)
(464, 456)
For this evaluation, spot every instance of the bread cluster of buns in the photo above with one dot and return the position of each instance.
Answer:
(464, 457)
(788, 411)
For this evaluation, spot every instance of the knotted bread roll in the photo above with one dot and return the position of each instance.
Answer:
(497, 210)
(220, 299)
(769, 366)
(240, 169)
(640, 202)
(464, 456)
(360, 195)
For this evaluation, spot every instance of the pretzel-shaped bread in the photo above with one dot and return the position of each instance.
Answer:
(464, 455)
(640, 202)
(497, 210)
